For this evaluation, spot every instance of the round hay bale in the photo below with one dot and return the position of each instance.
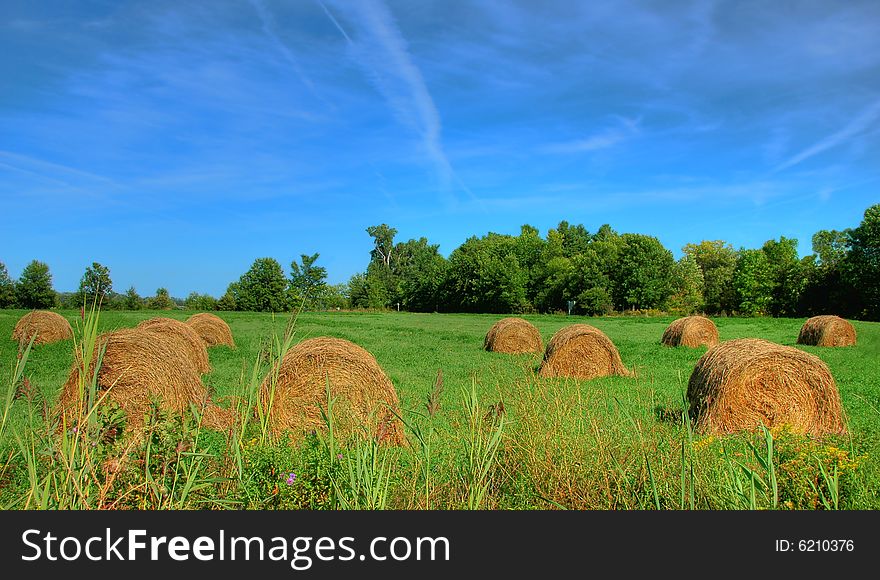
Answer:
(742, 383)
(513, 336)
(691, 331)
(195, 346)
(827, 330)
(364, 395)
(137, 368)
(47, 326)
(581, 351)
(212, 329)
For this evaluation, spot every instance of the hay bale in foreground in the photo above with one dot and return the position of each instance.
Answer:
(47, 326)
(212, 329)
(827, 330)
(194, 346)
(513, 336)
(582, 351)
(136, 368)
(742, 383)
(364, 395)
(691, 331)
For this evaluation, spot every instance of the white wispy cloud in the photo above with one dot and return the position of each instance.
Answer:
(858, 124)
(268, 27)
(609, 137)
(379, 47)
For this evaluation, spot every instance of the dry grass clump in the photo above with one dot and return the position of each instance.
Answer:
(364, 395)
(169, 328)
(581, 351)
(212, 329)
(691, 331)
(513, 336)
(47, 326)
(136, 368)
(742, 383)
(827, 330)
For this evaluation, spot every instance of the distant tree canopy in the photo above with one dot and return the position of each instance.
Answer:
(161, 301)
(196, 301)
(263, 288)
(34, 287)
(307, 282)
(7, 288)
(95, 285)
(569, 268)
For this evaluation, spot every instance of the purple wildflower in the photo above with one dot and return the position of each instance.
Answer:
(290, 478)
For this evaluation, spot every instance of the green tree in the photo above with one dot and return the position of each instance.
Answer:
(826, 288)
(196, 301)
(484, 275)
(557, 284)
(358, 296)
(862, 265)
(95, 285)
(381, 283)
(831, 247)
(307, 282)
(419, 270)
(161, 301)
(335, 296)
(753, 282)
(642, 277)
(717, 260)
(263, 288)
(34, 287)
(132, 300)
(574, 239)
(7, 288)
(529, 250)
(595, 301)
(687, 286)
(383, 243)
(786, 274)
(227, 301)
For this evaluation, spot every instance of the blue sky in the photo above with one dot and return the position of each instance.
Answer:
(175, 142)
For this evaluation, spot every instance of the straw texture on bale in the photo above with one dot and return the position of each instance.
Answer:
(691, 331)
(137, 368)
(827, 330)
(364, 395)
(581, 351)
(47, 326)
(169, 328)
(514, 336)
(212, 329)
(742, 383)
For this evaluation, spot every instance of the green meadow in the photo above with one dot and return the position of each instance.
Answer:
(490, 434)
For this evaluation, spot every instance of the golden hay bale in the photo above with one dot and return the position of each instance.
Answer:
(741, 383)
(195, 346)
(135, 368)
(220, 418)
(581, 351)
(47, 326)
(827, 330)
(691, 331)
(513, 336)
(364, 395)
(212, 329)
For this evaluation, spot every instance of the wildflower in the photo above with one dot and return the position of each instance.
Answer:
(290, 478)
(339, 456)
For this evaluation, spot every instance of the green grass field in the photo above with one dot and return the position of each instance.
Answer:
(610, 443)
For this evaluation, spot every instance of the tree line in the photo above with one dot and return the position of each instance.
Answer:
(569, 270)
